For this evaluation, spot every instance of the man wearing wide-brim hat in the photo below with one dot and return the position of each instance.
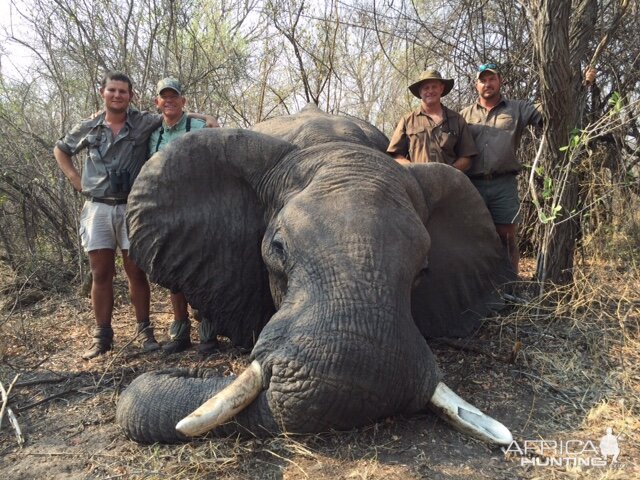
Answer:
(432, 133)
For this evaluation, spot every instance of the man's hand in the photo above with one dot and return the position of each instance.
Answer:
(209, 121)
(66, 165)
(590, 76)
(462, 163)
(401, 159)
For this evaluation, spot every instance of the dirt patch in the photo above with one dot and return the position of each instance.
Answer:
(559, 373)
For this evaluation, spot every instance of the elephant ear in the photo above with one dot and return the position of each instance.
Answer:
(196, 225)
(466, 262)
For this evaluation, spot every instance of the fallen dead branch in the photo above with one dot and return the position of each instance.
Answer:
(5, 397)
(13, 421)
(46, 399)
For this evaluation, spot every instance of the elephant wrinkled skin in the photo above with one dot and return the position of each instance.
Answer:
(303, 238)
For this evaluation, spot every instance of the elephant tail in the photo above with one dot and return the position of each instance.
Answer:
(151, 406)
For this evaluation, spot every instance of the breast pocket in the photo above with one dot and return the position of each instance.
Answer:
(94, 142)
(447, 141)
(415, 131)
(504, 121)
(417, 143)
(417, 137)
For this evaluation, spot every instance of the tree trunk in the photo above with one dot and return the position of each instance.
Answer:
(560, 34)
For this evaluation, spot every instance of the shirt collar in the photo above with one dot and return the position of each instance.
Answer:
(419, 110)
(445, 114)
(100, 120)
(178, 125)
(502, 101)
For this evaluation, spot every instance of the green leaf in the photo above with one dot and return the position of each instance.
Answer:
(615, 102)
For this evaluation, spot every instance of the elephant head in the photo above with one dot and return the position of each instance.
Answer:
(303, 238)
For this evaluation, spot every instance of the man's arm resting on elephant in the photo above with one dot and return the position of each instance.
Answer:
(68, 168)
(462, 163)
(399, 144)
(210, 121)
(401, 159)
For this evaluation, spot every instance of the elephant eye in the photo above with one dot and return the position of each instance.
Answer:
(275, 251)
(420, 275)
(278, 249)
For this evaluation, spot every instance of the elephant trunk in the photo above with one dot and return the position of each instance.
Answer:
(150, 407)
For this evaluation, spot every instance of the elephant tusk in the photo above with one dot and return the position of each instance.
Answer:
(466, 418)
(224, 405)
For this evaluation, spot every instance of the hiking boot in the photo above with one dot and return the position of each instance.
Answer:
(102, 343)
(180, 333)
(144, 333)
(208, 340)
(176, 346)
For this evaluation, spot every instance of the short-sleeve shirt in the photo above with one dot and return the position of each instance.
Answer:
(126, 152)
(497, 134)
(164, 134)
(419, 138)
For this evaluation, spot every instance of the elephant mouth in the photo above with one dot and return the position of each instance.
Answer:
(227, 403)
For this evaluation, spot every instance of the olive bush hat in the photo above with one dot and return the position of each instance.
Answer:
(431, 75)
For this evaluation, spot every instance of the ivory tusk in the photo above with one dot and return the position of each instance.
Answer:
(225, 404)
(466, 418)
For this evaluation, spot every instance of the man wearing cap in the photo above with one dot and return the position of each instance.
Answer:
(432, 133)
(497, 125)
(175, 123)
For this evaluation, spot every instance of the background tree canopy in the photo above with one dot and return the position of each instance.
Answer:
(248, 60)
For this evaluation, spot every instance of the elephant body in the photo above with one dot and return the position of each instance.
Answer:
(305, 240)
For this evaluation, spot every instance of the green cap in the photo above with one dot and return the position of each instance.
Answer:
(170, 83)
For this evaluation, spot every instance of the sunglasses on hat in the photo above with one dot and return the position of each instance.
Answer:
(487, 66)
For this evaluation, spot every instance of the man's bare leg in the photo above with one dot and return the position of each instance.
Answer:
(180, 330)
(508, 237)
(140, 293)
(102, 263)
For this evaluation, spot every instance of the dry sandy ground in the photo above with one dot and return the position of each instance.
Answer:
(546, 374)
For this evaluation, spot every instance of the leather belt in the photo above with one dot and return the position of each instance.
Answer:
(110, 201)
(491, 176)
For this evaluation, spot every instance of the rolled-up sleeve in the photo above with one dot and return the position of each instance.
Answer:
(531, 114)
(399, 144)
(75, 140)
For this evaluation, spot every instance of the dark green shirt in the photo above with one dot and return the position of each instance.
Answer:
(497, 134)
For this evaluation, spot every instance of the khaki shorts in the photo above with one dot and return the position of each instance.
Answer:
(103, 226)
(501, 197)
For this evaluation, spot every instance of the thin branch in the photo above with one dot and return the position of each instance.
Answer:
(5, 397)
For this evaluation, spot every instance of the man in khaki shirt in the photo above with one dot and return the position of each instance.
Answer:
(497, 125)
(432, 133)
